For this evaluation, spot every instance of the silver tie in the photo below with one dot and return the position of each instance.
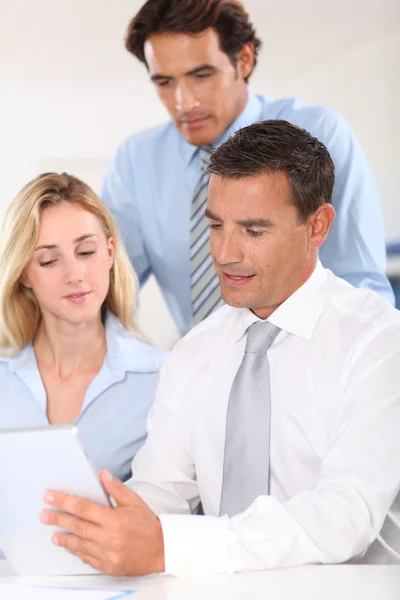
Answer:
(206, 293)
(248, 425)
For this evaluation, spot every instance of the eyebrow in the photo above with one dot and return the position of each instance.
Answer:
(266, 223)
(81, 238)
(158, 76)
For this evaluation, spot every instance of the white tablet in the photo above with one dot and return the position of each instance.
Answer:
(32, 461)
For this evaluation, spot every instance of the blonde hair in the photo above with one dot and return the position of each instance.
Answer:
(19, 311)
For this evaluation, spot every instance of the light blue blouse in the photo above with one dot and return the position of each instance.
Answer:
(112, 421)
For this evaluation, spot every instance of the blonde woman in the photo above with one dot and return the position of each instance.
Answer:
(68, 344)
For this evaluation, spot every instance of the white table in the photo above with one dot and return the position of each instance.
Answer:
(336, 582)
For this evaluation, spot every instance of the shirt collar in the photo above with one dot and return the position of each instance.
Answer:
(250, 114)
(125, 352)
(299, 314)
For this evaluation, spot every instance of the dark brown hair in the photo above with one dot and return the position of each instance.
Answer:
(280, 146)
(227, 17)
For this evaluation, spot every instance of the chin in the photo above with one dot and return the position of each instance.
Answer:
(234, 300)
(83, 314)
(199, 137)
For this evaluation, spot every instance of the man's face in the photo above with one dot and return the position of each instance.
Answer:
(197, 83)
(261, 251)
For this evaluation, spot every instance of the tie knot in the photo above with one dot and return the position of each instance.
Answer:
(205, 155)
(260, 336)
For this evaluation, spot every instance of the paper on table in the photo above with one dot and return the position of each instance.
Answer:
(22, 592)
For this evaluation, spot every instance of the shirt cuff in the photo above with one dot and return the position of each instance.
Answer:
(195, 545)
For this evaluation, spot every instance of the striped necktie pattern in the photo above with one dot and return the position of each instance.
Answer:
(206, 293)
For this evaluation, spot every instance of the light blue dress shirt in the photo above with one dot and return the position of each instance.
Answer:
(112, 421)
(150, 185)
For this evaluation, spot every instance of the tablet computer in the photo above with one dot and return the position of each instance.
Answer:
(32, 461)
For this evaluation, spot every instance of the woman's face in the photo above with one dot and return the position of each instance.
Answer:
(69, 273)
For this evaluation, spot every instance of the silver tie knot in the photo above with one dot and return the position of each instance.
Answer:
(260, 336)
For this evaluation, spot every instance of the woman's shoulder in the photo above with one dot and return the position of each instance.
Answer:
(13, 365)
(137, 354)
(4, 367)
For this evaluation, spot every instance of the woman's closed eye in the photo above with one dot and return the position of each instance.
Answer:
(86, 249)
(86, 252)
(47, 263)
(48, 259)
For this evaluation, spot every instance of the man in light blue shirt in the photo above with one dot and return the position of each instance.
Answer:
(200, 57)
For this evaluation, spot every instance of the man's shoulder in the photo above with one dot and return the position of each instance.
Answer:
(149, 138)
(316, 119)
(373, 312)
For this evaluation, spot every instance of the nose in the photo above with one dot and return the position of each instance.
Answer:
(73, 271)
(226, 248)
(185, 98)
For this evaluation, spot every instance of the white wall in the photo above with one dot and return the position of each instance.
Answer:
(69, 93)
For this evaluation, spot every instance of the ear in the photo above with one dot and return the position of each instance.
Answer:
(245, 58)
(111, 251)
(24, 281)
(320, 223)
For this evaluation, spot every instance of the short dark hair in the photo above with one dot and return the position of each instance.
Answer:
(277, 145)
(227, 17)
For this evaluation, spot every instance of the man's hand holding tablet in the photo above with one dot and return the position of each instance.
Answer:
(123, 541)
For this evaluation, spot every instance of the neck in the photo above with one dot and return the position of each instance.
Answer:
(69, 347)
(241, 106)
(244, 101)
(306, 272)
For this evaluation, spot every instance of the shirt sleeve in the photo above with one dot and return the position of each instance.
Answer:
(163, 472)
(337, 520)
(355, 248)
(120, 196)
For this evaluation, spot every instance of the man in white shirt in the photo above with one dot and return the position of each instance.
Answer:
(280, 412)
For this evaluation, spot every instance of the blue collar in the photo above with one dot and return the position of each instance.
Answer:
(125, 353)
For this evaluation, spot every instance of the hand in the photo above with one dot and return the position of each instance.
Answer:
(123, 541)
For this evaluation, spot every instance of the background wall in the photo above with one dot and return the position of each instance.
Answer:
(69, 92)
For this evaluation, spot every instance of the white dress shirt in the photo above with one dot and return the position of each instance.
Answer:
(335, 437)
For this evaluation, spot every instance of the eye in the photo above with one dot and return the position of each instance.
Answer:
(255, 232)
(86, 248)
(215, 225)
(47, 263)
(163, 82)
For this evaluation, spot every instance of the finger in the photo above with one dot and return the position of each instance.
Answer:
(122, 495)
(77, 545)
(102, 566)
(83, 529)
(88, 559)
(79, 507)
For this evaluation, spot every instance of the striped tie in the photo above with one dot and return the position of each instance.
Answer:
(206, 293)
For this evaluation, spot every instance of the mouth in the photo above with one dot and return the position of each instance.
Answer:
(235, 280)
(78, 297)
(194, 123)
